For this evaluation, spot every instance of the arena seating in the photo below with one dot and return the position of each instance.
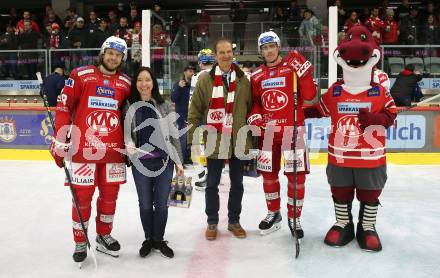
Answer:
(396, 65)
(417, 62)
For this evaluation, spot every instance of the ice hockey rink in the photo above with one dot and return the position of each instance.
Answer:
(37, 238)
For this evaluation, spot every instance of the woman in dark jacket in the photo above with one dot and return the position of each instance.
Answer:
(154, 149)
(404, 87)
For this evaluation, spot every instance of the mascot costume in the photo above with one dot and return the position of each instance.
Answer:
(360, 112)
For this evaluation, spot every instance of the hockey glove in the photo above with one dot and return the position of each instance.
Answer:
(256, 120)
(312, 112)
(366, 118)
(58, 151)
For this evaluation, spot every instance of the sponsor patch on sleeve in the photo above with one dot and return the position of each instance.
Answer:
(303, 69)
(70, 83)
(374, 92)
(337, 91)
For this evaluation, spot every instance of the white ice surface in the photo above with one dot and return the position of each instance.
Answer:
(36, 237)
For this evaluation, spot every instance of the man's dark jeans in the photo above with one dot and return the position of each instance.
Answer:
(212, 200)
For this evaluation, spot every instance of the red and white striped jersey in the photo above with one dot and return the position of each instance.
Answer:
(349, 145)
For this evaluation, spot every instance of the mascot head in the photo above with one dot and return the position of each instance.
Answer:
(358, 51)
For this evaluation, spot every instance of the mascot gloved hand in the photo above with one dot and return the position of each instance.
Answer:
(367, 118)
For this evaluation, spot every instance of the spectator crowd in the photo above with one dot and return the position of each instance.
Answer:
(390, 24)
(405, 23)
(27, 31)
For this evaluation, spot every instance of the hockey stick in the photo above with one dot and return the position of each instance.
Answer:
(418, 103)
(66, 171)
(295, 104)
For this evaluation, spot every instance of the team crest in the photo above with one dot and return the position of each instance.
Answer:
(349, 126)
(337, 91)
(8, 129)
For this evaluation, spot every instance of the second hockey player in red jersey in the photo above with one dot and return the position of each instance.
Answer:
(88, 117)
(273, 86)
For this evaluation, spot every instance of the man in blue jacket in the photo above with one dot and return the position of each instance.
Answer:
(54, 83)
(180, 97)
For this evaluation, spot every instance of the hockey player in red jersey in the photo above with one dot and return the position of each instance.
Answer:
(360, 112)
(88, 118)
(273, 85)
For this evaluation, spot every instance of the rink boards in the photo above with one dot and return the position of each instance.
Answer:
(414, 138)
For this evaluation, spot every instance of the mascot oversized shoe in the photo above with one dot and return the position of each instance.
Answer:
(342, 232)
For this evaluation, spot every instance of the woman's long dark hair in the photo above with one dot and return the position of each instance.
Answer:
(136, 96)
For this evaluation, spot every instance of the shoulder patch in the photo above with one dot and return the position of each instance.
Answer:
(337, 90)
(374, 91)
(303, 69)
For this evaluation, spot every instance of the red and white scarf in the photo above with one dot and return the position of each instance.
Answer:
(220, 116)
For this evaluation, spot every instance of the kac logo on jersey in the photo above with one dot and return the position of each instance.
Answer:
(106, 82)
(70, 82)
(103, 103)
(274, 100)
(105, 91)
(279, 82)
(352, 107)
(349, 126)
(103, 121)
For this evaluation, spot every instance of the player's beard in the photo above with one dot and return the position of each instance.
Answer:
(107, 68)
